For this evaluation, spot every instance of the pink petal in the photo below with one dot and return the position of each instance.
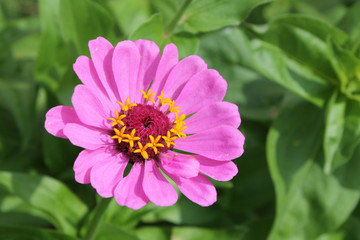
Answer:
(125, 65)
(198, 189)
(86, 160)
(150, 57)
(221, 143)
(169, 59)
(56, 119)
(86, 72)
(201, 90)
(179, 164)
(181, 73)
(214, 115)
(129, 192)
(218, 170)
(106, 175)
(101, 51)
(156, 187)
(89, 108)
(86, 136)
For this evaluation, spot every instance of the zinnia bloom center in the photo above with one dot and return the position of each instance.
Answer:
(142, 131)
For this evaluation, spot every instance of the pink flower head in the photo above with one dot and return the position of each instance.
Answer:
(136, 107)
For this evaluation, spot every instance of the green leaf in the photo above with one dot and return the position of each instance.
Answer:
(190, 233)
(209, 15)
(158, 233)
(23, 233)
(335, 121)
(229, 52)
(53, 56)
(309, 202)
(46, 195)
(82, 21)
(304, 39)
(350, 23)
(154, 30)
(112, 232)
(20, 219)
(347, 68)
(59, 154)
(130, 14)
(19, 98)
(342, 134)
(273, 63)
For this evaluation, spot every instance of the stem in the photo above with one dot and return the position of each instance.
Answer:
(97, 219)
(169, 28)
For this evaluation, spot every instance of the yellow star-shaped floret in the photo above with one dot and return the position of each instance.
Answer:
(177, 130)
(118, 119)
(119, 134)
(163, 100)
(169, 139)
(131, 138)
(142, 150)
(154, 143)
(126, 107)
(148, 96)
(172, 107)
(179, 120)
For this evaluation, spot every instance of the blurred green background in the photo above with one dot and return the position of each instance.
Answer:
(293, 68)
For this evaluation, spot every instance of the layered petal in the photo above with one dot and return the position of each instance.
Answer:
(89, 108)
(101, 51)
(198, 189)
(129, 192)
(156, 187)
(86, 160)
(85, 70)
(169, 59)
(56, 119)
(125, 65)
(181, 74)
(204, 88)
(179, 164)
(214, 115)
(86, 136)
(221, 143)
(106, 174)
(218, 170)
(149, 61)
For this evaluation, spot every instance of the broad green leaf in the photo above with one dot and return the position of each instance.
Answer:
(113, 232)
(347, 68)
(19, 98)
(229, 52)
(304, 39)
(335, 121)
(82, 21)
(350, 23)
(130, 14)
(19, 219)
(154, 30)
(309, 202)
(350, 139)
(52, 53)
(190, 233)
(59, 154)
(158, 233)
(209, 15)
(274, 64)
(24, 233)
(48, 196)
(166, 8)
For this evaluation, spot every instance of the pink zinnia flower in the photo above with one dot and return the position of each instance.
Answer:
(119, 121)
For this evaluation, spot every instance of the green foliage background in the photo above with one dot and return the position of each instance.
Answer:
(293, 68)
